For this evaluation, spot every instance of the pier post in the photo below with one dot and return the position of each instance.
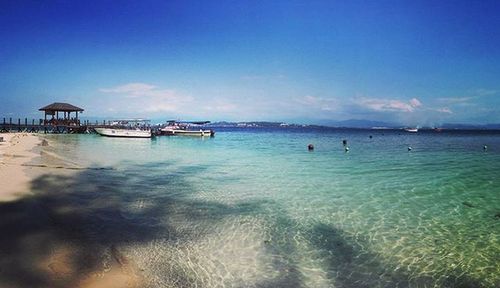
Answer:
(10, 123)
(18, 124)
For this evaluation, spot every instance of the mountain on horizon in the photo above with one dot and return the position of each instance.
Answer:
(490, 126)
(352, 123)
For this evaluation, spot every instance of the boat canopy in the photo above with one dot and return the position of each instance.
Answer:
(189, 122)
(127, 121)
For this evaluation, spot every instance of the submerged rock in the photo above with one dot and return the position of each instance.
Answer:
(468, 204)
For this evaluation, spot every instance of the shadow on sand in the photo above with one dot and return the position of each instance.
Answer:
(71, 229)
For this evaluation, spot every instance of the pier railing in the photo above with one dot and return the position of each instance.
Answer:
(50, 126)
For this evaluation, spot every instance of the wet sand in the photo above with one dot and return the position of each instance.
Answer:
(39, 246)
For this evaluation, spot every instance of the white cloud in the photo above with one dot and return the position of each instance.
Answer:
(454, 100)
(220, 106)
(141, 90)
(135, 89)
(415, 103)
(464, 100)
(161, 107)
(324, 104)
(308, 100)
(486, 92)
(444, 110)
(389, 105)
(142, 97)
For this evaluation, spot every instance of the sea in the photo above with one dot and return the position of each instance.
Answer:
(253, 207)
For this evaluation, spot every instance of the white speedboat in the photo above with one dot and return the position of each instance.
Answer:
(135, 128)
(411, 130)
(182, 129)
(123, 132)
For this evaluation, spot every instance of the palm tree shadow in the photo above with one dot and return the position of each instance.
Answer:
(73, 226)
(284, 251)
(351, 265)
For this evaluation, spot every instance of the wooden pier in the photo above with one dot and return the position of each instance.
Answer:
(52, 122)
(58, 118)
(56, 127)
(40, 126)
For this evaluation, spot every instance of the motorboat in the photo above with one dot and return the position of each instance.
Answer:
(119, 132)
(174, 128)
(132, 128)
(411, 130)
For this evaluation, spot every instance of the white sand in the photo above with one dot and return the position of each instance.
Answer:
(16, 151)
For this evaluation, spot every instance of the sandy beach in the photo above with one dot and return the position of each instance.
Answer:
(40, 246)
(16, 151)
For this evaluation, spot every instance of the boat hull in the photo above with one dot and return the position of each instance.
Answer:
(179, 132)
(125, 133)
(411, 130)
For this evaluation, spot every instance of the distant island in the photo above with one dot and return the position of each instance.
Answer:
(354, 123)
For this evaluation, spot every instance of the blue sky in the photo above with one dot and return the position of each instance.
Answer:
(412, 62)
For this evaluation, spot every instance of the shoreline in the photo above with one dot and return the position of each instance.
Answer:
(32, 230)
(17, 150)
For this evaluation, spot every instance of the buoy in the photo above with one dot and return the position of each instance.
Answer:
(310, 147)
(371, 136)
(409, 148)
(344, 142)
(485, 147)
(346, 149)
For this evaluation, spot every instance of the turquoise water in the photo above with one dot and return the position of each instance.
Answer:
(254, 208)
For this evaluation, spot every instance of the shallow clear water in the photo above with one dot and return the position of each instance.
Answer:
(255, 208)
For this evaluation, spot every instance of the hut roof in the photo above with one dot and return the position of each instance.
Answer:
(56, 106)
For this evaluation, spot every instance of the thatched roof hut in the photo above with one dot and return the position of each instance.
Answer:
(62, 107)
(56, 107)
